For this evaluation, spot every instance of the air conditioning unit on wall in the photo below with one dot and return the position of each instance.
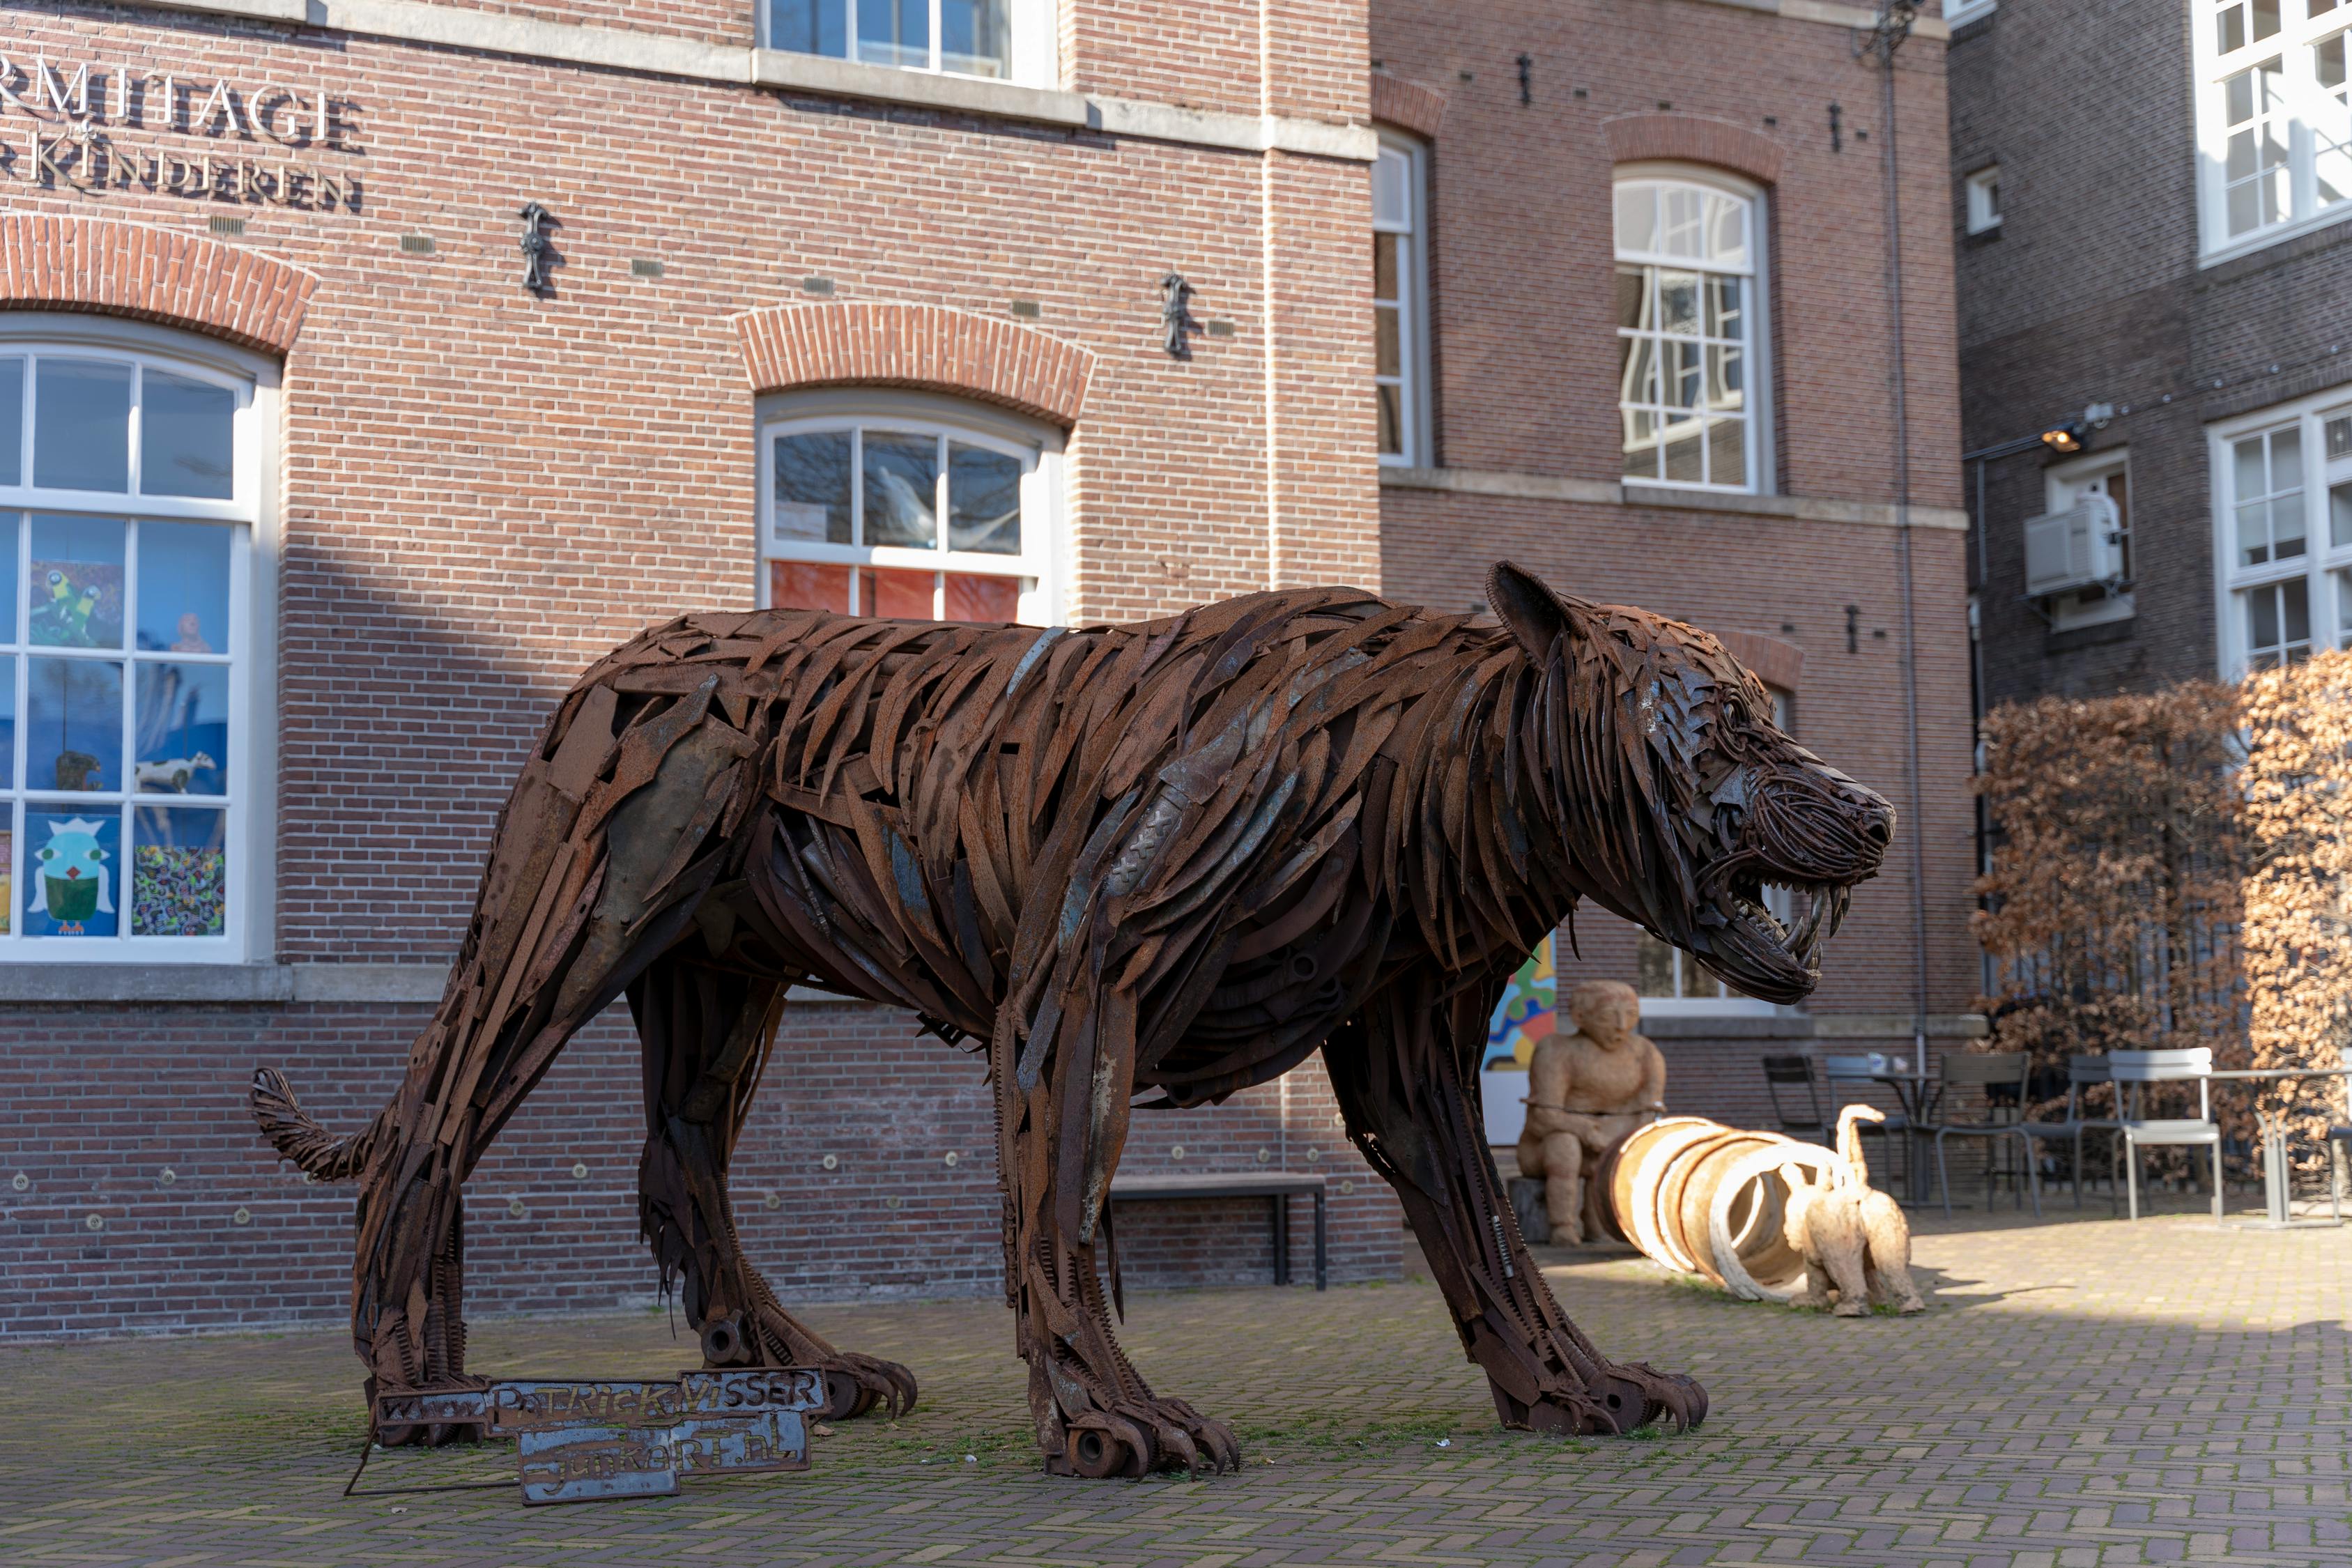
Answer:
(2074, 549)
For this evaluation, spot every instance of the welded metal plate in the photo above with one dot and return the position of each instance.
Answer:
(762, 1388)
(585, 1464)
(771, 1440)
(440, 1406)
(538, 1405)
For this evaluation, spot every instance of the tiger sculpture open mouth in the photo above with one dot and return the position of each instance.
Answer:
(1134, 865)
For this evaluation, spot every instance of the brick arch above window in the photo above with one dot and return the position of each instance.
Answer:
(112, 268)
(1694, 139)
(922, 346)
(1407, 105)
(1772, 660)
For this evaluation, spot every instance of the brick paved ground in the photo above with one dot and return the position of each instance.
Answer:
(2082, 1392)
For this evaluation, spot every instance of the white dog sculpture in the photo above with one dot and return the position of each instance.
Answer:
(1853, 1238)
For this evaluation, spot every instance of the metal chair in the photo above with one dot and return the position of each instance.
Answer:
(1805, 1122)
(2081, 1072)
(2002, 1075)
(1860, 1069)
(2337, 1137)
(2135, 1070)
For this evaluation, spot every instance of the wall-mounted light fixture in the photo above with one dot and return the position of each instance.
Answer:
(1176, 315)
(2068, 437)
(536, 249)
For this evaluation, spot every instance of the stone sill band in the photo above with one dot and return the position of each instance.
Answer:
(672, 54)
(78, 984)
(1608, 492)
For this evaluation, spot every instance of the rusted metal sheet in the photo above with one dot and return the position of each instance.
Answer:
(1138, 865)
(581, 1439)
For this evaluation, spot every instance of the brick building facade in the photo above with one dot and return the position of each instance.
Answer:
(381, 500)
(2152, 225)
(1535, 121)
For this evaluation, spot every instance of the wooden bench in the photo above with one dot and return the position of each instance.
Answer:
(1275, 1187)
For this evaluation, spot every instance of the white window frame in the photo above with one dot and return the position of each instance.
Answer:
(1412, 303)
(1760, 466)
(2307, 109)
(1958, 12)
(2065, 483)
(248, 926)
(1038, 444)
(1983, 192)
(1032, 43)
(2321, 558)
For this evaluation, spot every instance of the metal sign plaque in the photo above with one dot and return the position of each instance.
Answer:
(581, 1440)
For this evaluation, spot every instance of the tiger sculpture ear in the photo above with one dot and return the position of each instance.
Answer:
(1536, 615)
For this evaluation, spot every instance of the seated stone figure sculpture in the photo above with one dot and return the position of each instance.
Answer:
(1586, 1090)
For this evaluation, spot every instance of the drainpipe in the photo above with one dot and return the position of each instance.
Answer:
(1886, 36)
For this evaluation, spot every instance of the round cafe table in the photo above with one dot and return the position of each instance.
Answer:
(2273, 1127)
(1913, 1093)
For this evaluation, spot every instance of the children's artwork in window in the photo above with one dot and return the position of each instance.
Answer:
(183, 729)
(178, 872)
(72, 874)
(1526, 1012)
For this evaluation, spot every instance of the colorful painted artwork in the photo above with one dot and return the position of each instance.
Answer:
(1526, 1012)
(7, 882)
(77, 604)
(175, 891)
(73, 877)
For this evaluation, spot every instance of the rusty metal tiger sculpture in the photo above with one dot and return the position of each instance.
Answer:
(1153, 863)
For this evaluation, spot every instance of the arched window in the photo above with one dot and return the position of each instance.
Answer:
(131, 483)
(909, 506)
(1690, 338)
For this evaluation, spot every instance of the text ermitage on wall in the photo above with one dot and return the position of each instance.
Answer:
(95, 127)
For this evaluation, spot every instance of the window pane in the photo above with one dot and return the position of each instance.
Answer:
(902, 486)
(2339, 437)
(71, 865)
(2230, 29)
(1391, 185)
(2248, 477)
(1683, 377)
(1632, 293)
(1678, 302)
(1389, 409)
(182, 741)
(804, 585)
(810, 27)
(971, 596)
(2266, 18)
(183, 587)
(1724, 319)
(185, 447)
(1728, 231)
(73, 728)
(895, 33)
(2254, 534)
(11, 443)
(1637, 217)
(1637, 371)
(1384, 265)
(2294, 595)
(1388, 354)
(8, 764)
(1653, 966)
(1683, 461)
(1727, 452)
(81, 425)
(2286, 527)
(2339, 515)
(1725, 389)
(2343, 582)
(179, 871)
(896, 595)
(2286, 458)
(973, 38)
(1682, 213)
(10, 600)
(1641, 444)
(2327, 61)
(2261, 618)
(812, 495)
(983, 500)
(77, 582)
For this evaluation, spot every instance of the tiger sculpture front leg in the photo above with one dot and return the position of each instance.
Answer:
(1402, 1070)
